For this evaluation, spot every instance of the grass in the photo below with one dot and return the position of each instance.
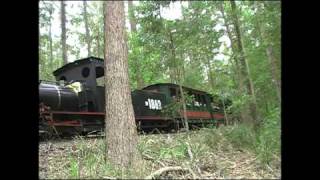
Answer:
(226, 152)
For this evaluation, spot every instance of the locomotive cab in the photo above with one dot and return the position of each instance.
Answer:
(87, 71)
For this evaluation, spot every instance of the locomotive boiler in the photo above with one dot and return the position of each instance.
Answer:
(58, 97)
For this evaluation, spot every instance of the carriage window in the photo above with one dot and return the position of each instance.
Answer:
(100, 76)
(197, 100)
(100, 81)
(173, 92)
(203, 99)
(63, 78)
(189, 104)
(90, 106)
(85, 72)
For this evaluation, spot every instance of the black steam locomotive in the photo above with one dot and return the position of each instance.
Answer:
(75, 102)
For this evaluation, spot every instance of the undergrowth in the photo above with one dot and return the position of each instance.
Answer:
(219, 152)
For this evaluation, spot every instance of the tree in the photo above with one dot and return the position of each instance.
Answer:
(48, 59)
(140, 81)
(233, 46)
(63, 33)
(50, 9)
(121, 131)
(178, 77)
(269, 49)
(245, 71)
(85, 17)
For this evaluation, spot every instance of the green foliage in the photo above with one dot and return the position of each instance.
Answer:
(241, 136)
(268, 143)
(176, 152)
(174, 108)
(74, 168)
(239, 104)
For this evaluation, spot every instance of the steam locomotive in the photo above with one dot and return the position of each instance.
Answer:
(75, 102)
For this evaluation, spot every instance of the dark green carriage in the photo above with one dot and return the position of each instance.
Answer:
(200, 110)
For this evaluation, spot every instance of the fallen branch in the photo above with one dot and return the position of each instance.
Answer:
(106, 177)
(189, 151)
(157, 130)
(194, 176)
(165, 169)
(147, 157)
(198, 169)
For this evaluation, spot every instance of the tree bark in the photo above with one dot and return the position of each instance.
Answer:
(131, 17)
(269, 52)
(235, 62)
(85, 16)
(185, 117)
(245, 71)
(104, 26)
(50, 38)
(178, 79)
(98, 44)
(272, 61)
(234, 50)
(139, 77)
(210, 75)
(121, 130)
(63, 33)
(225, 112)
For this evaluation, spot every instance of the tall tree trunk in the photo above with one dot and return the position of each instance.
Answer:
(235, 62)
(121, 130)
(50, 39)
(139, 77)
(272, 61)
(85, 16)
(63, 33)
(98, 43)
(104, 26)
(244, 66)
(178, 80)
(131, 17)
(185, 117)
(224, 111)
(269, 52)
(210, 75)
(233, 44)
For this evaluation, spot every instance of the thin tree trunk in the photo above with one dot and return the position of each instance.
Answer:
(98, 44)
(269, 53)
(237, 65)
(245, 67)
(210, 75)
(178, 79)
(121, 130)
(185, 117)
(63, 33)
(50, 39)
(139, 77)
(85, 16)
(104, 26)
(172, 70)
(273, 66)
(224, 111)
(131, 17)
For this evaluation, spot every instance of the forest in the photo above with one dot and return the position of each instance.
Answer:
(230, 49)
